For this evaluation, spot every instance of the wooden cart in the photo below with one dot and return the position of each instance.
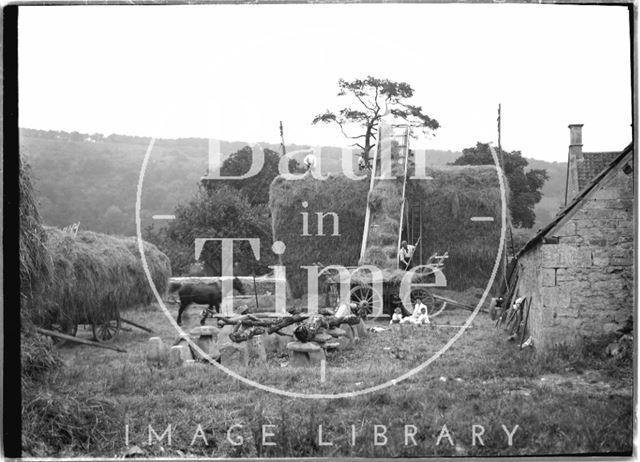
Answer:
(104, 330)
(364, 293)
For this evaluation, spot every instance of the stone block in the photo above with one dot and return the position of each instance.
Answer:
(234, 355)
(307, 354)
(208, 346)
(322, 338)
(569, 229)
(243, 354)
(205, 331)
(565, 256)
(157, 351)
(601, 260)
(598, 241)
(337, 332)
(565, 275)
(348, 331)
(622, 260)
(256, 351)
(275, 343)
(557, 297)
(345, 342)
(331, 346)
(548, 276)
(573, 240)
(361, 329)
(178, 355)
(206, 338)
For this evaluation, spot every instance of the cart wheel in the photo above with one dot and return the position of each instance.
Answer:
(64, 327)
(367, 295)
(106, 331)
(434, 305)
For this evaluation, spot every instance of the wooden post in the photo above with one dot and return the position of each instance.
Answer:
(146, 329)
(51, 333)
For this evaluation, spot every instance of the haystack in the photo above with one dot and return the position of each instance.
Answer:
(339, 194)
(35, 261)
(455, 196)
(37, 356)
(97, 275)
(450, 200)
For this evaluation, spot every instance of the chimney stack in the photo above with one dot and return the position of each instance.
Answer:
(575, 131)
(575, 157)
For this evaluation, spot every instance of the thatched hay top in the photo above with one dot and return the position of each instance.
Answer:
(97, 275)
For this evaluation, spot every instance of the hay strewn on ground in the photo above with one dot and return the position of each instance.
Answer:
(96, 275)
(450, 199)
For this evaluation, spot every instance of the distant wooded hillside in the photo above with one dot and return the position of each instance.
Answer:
(92, 178)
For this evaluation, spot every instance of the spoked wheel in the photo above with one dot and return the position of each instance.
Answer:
(365, 296)
(435, 306)
(64, 327)
(106, 331)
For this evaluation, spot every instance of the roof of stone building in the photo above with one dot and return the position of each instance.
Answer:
(593, 163)
(595, 181)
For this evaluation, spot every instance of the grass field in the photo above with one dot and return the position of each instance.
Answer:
(565, 402)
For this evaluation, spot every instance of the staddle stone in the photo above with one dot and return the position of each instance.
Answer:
(322, 338)
(256, 350)
(178, 355)
(157, 351)
(234, 354)
(205, 331)
(249, 353)
(275, 343)
(361, 329)
(331, 346)
(307, 354)
(337, 332)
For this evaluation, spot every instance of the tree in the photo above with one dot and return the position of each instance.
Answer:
(374, 99)
(525, 187)
(218, 213)
(255, 188)
(113, 220)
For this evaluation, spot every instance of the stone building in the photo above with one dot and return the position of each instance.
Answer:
(579, 270)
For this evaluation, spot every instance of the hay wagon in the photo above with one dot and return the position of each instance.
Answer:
(363, 291)
(104, 330)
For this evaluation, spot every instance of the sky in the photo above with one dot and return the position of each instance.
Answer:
(233, 72)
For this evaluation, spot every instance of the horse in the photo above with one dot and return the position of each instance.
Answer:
(203, 294)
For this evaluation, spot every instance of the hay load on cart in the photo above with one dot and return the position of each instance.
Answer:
(95, 277)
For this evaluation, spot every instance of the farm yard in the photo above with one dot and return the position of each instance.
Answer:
(562, 402)
(489, 393)
(371, 282)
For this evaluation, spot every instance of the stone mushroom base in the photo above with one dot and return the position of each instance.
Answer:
(249, 353)
(340, 336)
(308, 354)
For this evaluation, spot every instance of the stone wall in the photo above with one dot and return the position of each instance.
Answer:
(583, 285)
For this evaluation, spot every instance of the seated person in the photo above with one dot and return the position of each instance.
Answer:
(397, 316)
(417, 312)
(424, 316)
(344, 309)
